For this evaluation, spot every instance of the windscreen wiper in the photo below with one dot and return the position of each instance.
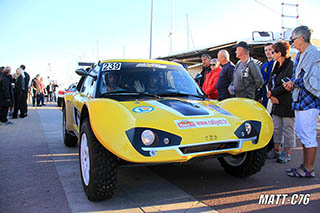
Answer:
(124, 92)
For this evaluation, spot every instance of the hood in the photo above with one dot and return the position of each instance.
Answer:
(179, 113)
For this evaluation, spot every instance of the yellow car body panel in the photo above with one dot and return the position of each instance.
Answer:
(110, 119)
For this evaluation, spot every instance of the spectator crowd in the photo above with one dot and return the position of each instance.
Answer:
(288, 89)
(17, 89)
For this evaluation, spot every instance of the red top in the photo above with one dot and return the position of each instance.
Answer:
(209, 86)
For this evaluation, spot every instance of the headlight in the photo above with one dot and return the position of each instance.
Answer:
(248, 128)
(148, 137)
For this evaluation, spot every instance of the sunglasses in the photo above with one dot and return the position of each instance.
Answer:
(212, 64)
(274, 51)
(292, 40)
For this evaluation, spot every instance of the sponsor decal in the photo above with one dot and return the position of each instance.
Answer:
(201, 123)
(142, 109)
(152, 65)
(185, 124)
(219, 109)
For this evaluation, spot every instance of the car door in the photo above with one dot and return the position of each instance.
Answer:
(69, 106)
(79, 98)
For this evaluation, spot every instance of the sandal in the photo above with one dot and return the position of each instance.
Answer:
(291, 169)
(295, 173)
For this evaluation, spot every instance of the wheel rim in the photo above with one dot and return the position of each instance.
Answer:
(236, 160)
(85, 159)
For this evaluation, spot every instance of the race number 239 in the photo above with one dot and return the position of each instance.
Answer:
(111, 66)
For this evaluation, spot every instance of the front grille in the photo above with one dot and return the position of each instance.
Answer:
(209, 147)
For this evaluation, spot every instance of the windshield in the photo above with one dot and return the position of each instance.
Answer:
(72, 87)
(161, 80)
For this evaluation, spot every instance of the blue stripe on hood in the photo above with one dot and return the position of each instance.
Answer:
(185, 108)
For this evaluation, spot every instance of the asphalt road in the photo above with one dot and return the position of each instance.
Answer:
(39, 174)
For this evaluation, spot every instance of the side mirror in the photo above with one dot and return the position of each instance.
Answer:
(82, 72)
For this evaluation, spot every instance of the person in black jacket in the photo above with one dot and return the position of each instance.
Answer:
(26, 78)
(1, 71)
(5, 96)
(226, 75)
(18, 94)
(282, 113)
(205, 58)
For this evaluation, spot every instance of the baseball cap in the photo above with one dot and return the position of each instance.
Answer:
(242, 44)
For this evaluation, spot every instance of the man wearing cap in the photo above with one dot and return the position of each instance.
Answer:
(247, 78)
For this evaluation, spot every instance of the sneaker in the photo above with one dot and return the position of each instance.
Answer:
(284, 157)
(272, 154)
(6, 123)
(23, 115)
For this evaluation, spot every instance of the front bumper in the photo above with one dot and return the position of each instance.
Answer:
(205, 148)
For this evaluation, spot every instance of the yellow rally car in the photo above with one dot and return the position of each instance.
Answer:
(150, 111)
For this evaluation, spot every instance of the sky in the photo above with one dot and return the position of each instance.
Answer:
(51, 36)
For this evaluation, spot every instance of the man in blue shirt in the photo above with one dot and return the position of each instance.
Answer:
(266, 70)
(226, 75)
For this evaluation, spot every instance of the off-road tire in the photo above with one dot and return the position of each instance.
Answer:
(69, 139)
(252, 164)
(103, 167)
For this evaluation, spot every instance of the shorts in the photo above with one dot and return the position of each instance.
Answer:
(284, 131)
(306, 124)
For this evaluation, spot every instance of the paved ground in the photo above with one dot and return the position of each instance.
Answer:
(39, 174)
